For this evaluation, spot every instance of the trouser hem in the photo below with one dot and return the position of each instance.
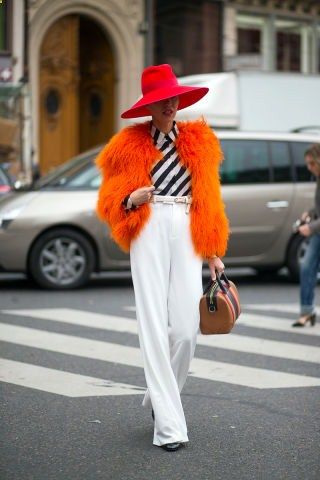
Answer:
(307, 310)
(158, 444)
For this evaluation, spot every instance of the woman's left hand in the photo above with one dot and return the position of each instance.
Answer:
(215, 264)
(305, 230)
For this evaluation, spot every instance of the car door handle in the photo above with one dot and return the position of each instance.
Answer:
(278, 204)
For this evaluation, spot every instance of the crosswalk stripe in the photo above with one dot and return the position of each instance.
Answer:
(240, 343)
(292, 308)
(249, 376)
(267, 321)
(260, 346)
(79, 317)
(110, 352)
(280, 325)
(275, 307)
(61, 383)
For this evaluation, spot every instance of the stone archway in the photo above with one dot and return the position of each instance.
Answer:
(119, 25)
(76, 90)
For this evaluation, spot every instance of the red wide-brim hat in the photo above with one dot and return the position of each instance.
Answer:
(158, 82)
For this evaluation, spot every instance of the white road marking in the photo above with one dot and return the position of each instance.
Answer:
(275, 307)
(240, 343)
(129, 308)
(279, 325)
(260, 346)
(120, 354)
(79, 317)
(61, 383)
(249, 376)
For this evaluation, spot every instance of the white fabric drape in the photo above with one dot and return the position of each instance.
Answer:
(167, 278)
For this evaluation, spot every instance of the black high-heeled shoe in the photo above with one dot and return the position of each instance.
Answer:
(172, 447)
(312, 318)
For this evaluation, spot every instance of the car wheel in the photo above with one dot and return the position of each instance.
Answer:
(296, 253)
(61, 259)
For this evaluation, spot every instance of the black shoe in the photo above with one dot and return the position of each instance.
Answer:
(172, 447)
(310, 318)
(152, 414)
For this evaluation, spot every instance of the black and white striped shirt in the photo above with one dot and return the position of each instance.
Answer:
(168, 175)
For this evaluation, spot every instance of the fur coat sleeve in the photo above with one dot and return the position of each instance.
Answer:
(200, 150)
(121, 165)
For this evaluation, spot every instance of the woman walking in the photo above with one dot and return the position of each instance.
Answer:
(160, 195)
(310, 264)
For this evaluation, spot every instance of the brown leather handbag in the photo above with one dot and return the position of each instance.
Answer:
(219, 306)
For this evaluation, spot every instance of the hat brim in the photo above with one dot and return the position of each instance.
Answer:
(187, 96)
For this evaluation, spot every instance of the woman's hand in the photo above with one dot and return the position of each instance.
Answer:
(305, 230)
(215, 264)
(141, 195)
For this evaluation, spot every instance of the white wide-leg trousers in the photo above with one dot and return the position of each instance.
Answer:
(167, 279)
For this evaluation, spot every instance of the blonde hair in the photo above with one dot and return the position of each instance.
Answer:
(314, 152)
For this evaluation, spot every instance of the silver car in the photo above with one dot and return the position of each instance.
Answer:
(50, 230)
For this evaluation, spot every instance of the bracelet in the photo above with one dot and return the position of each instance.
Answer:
(128, 203)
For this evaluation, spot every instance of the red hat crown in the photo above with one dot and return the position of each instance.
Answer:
(157, 76)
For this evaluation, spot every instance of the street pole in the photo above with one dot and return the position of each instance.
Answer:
(149, 39)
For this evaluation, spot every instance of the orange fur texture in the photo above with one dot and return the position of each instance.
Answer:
(125, 163)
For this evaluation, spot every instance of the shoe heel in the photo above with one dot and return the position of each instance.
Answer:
(313, 319)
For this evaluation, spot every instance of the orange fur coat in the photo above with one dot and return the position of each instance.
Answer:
(125, 163)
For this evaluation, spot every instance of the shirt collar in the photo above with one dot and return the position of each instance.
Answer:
(159, 137)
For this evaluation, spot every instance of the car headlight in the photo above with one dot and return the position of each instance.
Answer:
(7, 217)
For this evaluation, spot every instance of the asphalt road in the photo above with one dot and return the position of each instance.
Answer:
(72, 386)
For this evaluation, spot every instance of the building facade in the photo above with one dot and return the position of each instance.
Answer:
(80, 62)
(272, 35)
(207, 36)
(68, 68)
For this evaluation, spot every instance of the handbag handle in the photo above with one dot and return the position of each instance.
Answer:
(220, 278)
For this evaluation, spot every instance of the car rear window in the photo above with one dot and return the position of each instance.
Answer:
(76, 174)
(246, 161)
(3, 178)
(298, 149)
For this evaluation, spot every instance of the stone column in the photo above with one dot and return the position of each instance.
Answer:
(230, 41)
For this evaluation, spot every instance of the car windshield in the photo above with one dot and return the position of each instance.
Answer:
(79, 172)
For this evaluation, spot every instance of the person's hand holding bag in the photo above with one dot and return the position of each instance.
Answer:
(215, 265)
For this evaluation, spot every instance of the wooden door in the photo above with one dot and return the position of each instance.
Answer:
(59, 99)
(76, 90)
(96, 86)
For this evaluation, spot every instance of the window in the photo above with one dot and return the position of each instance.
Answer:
(246, 161)
(4, 180)
(297, 151)
(249, 40)
(5, 26)
(88, 178)
(282, 169)
(78, 173)
(80, 177)
(288, 52)
(289, 45)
